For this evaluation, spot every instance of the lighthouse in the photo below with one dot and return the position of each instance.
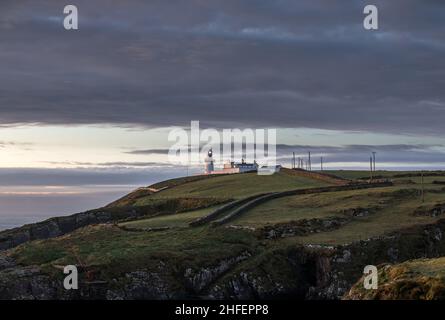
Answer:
(209, 167)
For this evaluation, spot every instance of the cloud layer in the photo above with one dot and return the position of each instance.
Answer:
(228, 63)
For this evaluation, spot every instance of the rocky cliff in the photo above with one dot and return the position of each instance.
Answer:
(309, 272)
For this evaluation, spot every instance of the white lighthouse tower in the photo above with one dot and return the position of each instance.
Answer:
(209, 167)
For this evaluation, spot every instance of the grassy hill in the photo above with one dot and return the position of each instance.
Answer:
(422, 279)
(362, 174)
(221, 186)
(180, 220)
(279, 246)
(365, 213)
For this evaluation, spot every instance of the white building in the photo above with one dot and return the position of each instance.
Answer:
(241, 167)
(267, 170)
(229, 168)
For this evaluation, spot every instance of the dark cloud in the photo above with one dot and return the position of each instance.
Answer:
(313, 148)
(227, 63)
(358, 148)
(148, 151)
(164, 151)
(115, 164)
(393, 153)
(10, 177)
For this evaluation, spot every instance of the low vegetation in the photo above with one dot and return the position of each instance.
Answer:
(422, 279)
(328, 219)
(233, 186)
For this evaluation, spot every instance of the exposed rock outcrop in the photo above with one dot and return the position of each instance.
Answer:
(435, 211)
(198, 280)
(302, 227)
(306, 272)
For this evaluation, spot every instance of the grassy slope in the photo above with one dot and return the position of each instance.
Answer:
(235, 186)
(145, 192)
(398, 215)
(416, 279)
(360, 174)
(308, 207)
(180, 220)
(115, 250)
(394, 206)
(219, 188)
(391, 209)
(111, 250)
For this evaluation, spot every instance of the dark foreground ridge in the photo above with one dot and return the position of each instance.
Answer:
(305, 272)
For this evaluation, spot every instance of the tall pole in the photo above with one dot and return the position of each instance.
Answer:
(293, 160)
(423, 187)
(370, 164)
(309, 162)
(321, 163)
(373, 159)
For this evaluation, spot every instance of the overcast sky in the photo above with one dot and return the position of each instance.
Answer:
(98, 98)
(307, 63)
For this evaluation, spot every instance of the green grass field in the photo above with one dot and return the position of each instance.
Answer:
(236, 186)
(311, 206)
(180, 220)
(397, 214)
(391, 209)
(111, 250)
(360, 174)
